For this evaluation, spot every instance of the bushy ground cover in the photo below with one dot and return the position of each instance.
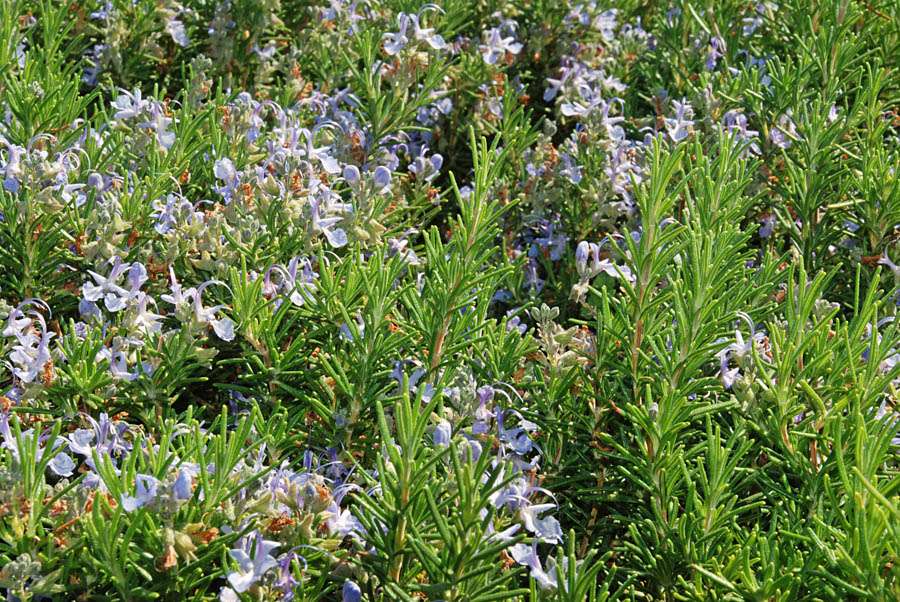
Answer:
(477, 300)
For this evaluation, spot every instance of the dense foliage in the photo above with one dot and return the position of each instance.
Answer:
(477, 300)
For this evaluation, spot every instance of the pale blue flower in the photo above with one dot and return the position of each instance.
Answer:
(182, 486)
(527, 556)
(442, 434)
(105, 287)
(147, 487)
(497, 46)
(351, 592)
(175, 28)
(252, 569)
(62, 465)
(129, 104)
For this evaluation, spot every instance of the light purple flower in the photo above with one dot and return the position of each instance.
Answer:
(285, 580)
(515, 439)
(716, 51)
(265, 53)
(342, 522)
(17, 321)
(321, 153)
(589, 100)
(80, 441)
(381, 177)
(586, 251)
(147, 487)
(553, 85)
(160, 123)
(768, 224)
(352, 176)
(12, 170)
(324, 225)
(681, 125)
(442, 434)
(252, 569)
(129, 104)
(182, 485)
(62, 465)
(785, 132)
(426, 168)
(606, 23)
(105, 286)
(569, 169)
(395, 42)
(545, 529)
(291, 284)
(527, 556)
(728, 375)
(103, 13)
(427, 34)
(32, 351)
(351, 592)
(735, 123)
(175, 28)
(224, 328)
(497, 46)
(224, 170)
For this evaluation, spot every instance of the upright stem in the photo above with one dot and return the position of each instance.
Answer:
(400, 535)
(638, 339)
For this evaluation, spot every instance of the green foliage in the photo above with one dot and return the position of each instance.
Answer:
(466, 301)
